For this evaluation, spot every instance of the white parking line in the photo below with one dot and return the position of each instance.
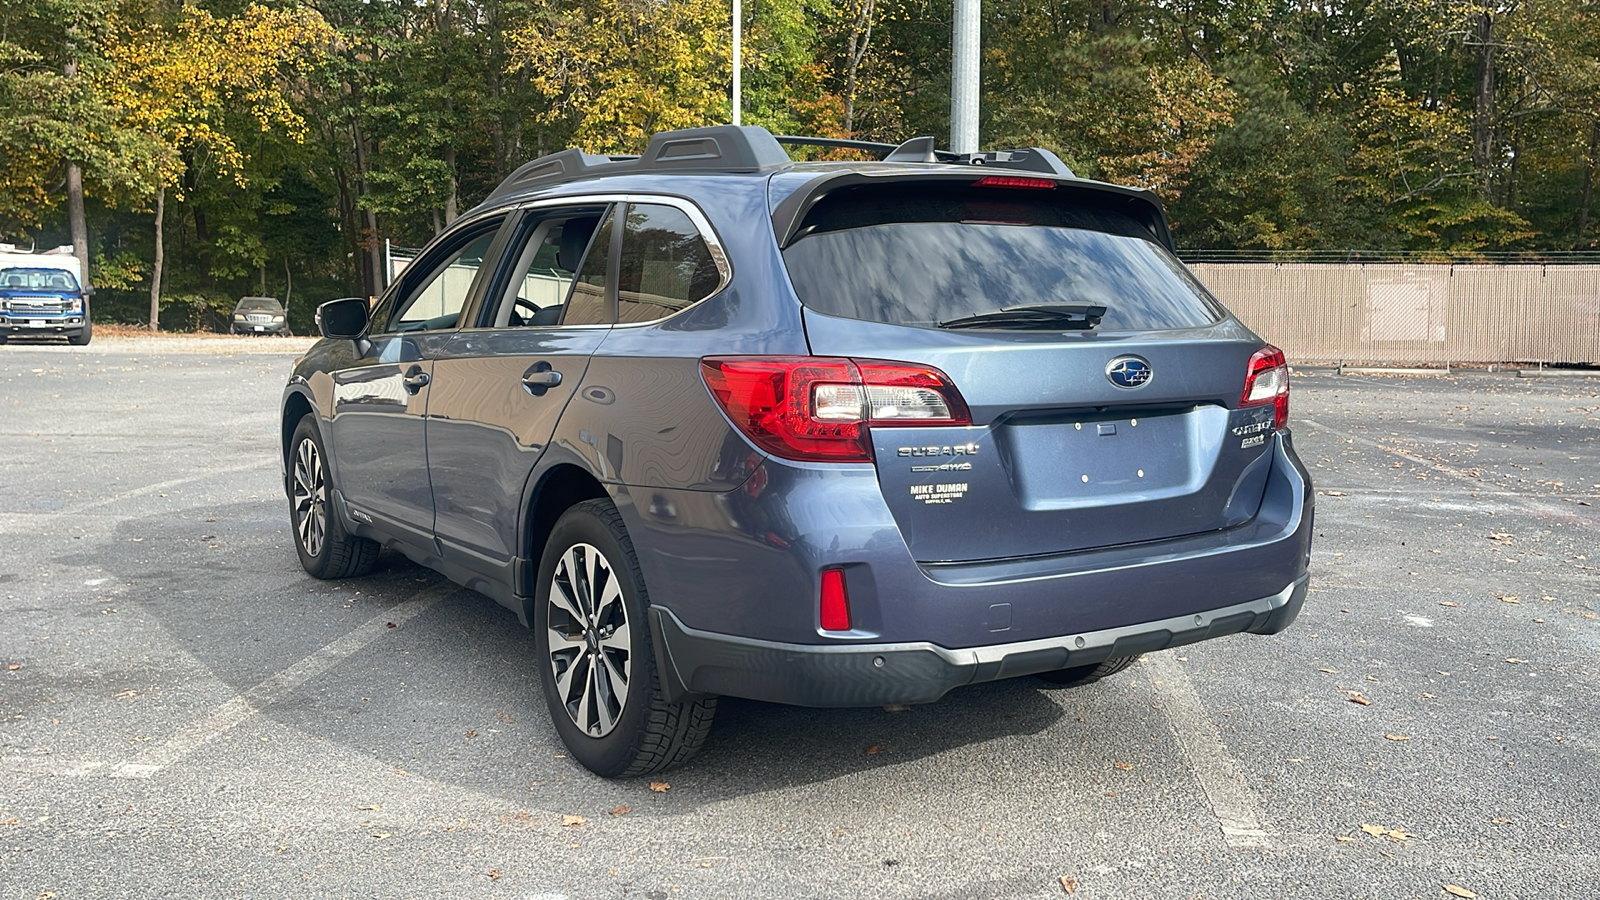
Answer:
(1232, 801)
(279, 686)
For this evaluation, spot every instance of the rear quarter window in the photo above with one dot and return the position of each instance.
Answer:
(921, 255)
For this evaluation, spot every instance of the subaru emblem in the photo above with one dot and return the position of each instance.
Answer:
(1128, 372)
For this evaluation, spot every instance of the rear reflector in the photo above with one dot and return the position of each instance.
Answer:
(1015, 181)
(1267, 381)
(818, 409)
(835, 601)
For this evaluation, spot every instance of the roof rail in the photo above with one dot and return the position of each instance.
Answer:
(719, 148)
(921, 149)
(732, 148)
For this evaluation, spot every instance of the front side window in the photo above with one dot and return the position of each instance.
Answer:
(435, 303)
(666, 264)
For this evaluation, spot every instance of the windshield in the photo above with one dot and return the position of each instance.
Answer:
(939, 256)
(262, 303)
(37, 280)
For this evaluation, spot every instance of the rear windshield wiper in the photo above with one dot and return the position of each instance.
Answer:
(1048, 317)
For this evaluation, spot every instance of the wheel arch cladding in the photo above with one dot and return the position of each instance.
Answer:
(561, 488)
(295, 408)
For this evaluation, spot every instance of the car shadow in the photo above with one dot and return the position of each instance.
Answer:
(452, 694)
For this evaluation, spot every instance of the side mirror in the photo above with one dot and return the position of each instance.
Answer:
(345, 319)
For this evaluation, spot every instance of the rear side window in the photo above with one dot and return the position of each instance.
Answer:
(933, 254)
(666, 265)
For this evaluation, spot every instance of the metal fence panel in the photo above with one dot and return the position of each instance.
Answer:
(1416, 312)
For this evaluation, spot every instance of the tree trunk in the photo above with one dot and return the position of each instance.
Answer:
(452, 202)
(155, 271)
(1588, 184)
(373, 270)
(75, 217)
(288, 286)
(1483, 115)
(859, 36)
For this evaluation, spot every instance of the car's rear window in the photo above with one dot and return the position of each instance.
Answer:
(924, 256)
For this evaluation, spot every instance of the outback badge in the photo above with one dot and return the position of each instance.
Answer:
(1128, 372)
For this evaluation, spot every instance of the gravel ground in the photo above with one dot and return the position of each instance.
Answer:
(184, 713)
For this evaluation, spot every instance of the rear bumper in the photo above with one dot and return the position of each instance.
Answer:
(703, 662)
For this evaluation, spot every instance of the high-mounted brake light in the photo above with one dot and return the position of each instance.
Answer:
(1015, 181)
(834, 601)
(818, 408)
(1267, 381)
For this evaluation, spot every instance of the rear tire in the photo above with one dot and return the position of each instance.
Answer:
(326, 550)
(1081, 675)
(595, 656)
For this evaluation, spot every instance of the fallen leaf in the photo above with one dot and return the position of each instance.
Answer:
(11, 821)
(1355, 697)
(621, 810)
(504, 718)
(1496, 820)
(1506, 598)
(390, 625)
(1333, 493)
(371, 807)
(1459, 891)
(381, 835)
(471, 733)
(1398, 737)
(1069, 884)
(875, 748)
(1329, 671)
(570, 821)
(1514, 661)
(660, 787)
(1448, 603)
(1344, 838)
(1122, 765)
(13, 667)
(494, 874)
(1375, 830)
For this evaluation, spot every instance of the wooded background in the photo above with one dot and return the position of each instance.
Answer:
(273, 146)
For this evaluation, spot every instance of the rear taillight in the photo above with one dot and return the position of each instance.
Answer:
(1267, 381)
(818, 408)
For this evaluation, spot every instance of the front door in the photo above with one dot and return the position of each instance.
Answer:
(380, 399)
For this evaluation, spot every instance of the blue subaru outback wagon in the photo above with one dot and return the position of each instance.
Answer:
(713, 422)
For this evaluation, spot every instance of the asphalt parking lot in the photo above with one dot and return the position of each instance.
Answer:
(183, 712)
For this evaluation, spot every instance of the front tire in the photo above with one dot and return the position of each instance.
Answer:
(326, 550)
(595, 656)
(83, 337)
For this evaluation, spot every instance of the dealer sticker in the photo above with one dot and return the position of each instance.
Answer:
(939, 493)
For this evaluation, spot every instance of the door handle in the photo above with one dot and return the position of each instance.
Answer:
(540, 378)
(415, 380)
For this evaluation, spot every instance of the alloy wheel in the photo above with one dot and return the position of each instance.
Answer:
(589, 639)
(310, 498)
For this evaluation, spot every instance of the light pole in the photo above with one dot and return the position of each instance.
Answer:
(964, 76)
(738, 31)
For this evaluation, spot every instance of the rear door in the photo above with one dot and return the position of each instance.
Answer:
(1081, 437)
(500, 386)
